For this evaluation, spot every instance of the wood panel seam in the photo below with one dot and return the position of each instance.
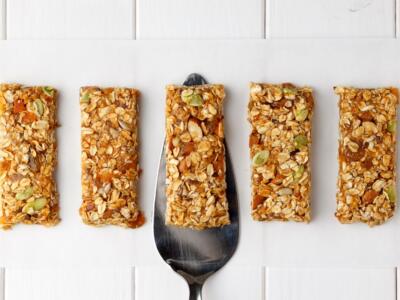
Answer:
(2, 283)
(264, 14)
(4, 20)
(395, 283)
(133, 283)
(397, 18)
(134, 19)
(267, 19)
(264, 284)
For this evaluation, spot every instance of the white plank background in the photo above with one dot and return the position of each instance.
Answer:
(206, 19)
(2, 281)
(184, 19)
(3, 20)
(70, 19)
(397, 13)
(68, 283)
(224, 284)
(334, 18)
(331, 284)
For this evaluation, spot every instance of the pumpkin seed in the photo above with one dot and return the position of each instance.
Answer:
(28, 208)
(390, 193)
(85, 98)
(298, 173)
(300, 141)
(185, 94)
(195, 100)
(301, 114)
(39, 203)
(49, 91)
(391, 126)
(191, 98)
(27, 193)
(289, 93)
(39, 106)
(260, 158)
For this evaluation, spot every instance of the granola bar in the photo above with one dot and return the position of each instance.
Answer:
(28, 155)
(367, 147)
(110, 168)
(280, 142)
(195, 156)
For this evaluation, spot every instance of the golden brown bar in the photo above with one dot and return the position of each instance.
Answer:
(195, 155)
(367, 155)
(110, 169)
(28, 155)
(280, 143)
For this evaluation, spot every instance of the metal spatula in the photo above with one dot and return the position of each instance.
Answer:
(195, 255)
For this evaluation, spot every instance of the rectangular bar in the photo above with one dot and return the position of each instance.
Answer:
(195, 156)
(28, 155)
(367, 155)
(110, 168)
(280, 143)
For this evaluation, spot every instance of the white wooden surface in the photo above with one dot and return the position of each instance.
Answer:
(2, 282)
(334, 18)
(324, 242)
(331, 284)
(224, 284)
(3, 20)
(179, 19)
(70, 19)
(68, 283)
(397, 18)
(205, 19)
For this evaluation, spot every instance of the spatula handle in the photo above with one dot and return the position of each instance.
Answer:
(194, 79)
(195, 291)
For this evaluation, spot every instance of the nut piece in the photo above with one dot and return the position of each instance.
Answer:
(29, 155)
(369, 196)
(110, 170)
(195, 131)
(195, 156)
(367, 145)
(280, 142)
